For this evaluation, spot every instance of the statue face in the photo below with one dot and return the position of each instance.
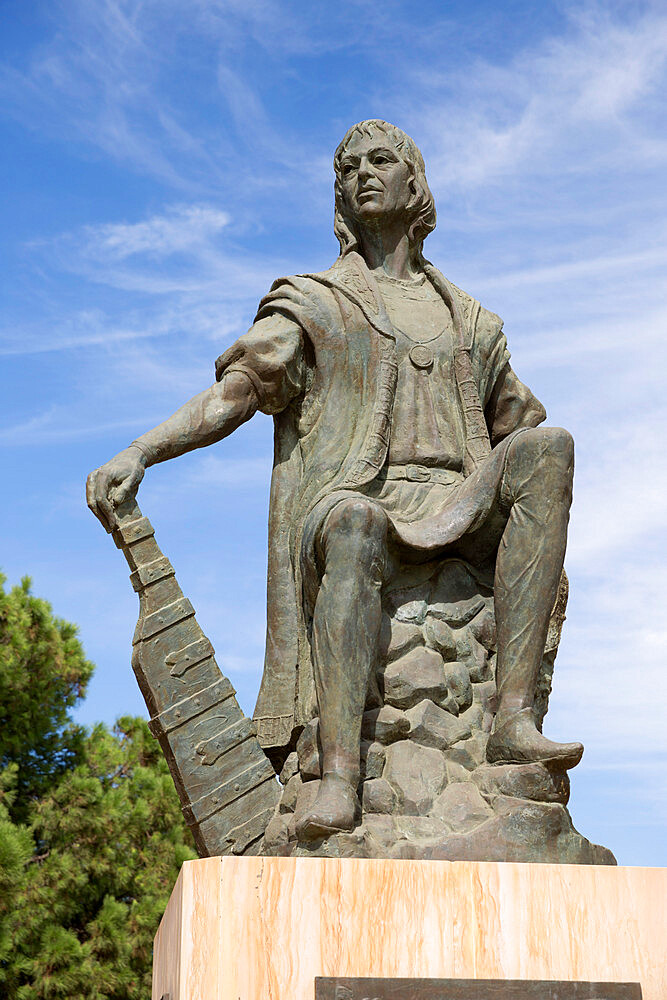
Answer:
(374, 178)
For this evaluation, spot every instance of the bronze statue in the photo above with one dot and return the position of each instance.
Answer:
(403, 439)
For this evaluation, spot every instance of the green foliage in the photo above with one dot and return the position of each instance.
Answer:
(43, 673)
(111, 842)
(91, 832)
(16, 848)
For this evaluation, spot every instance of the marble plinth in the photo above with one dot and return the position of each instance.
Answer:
(263, 928)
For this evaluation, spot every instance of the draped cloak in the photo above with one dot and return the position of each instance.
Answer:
(330, 389)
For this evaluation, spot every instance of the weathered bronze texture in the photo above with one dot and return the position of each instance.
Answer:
(339, 988)
(417, 531)
(227, 787)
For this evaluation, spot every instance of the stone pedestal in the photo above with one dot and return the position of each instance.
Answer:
(255, 928)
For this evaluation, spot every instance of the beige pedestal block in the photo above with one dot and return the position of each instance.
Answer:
(264, 928)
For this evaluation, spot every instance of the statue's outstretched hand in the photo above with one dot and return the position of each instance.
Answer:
(113, 483)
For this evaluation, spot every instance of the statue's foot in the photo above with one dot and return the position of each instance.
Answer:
(519, 741)
(334, 810)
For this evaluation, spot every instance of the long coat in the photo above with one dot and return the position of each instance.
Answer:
(329, 379)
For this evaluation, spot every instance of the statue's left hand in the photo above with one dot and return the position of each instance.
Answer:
(113, 483)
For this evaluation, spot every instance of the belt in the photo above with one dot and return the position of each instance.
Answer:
(421, 474)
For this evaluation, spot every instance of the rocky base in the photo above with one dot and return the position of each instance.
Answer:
(426, 791)
(472, 817)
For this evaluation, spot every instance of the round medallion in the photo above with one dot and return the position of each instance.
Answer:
(421, 356)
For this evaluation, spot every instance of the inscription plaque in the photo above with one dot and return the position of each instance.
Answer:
(343, 988)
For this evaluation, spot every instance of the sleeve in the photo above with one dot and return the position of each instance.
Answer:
(271, 355)
(511, 405)
(508, 403)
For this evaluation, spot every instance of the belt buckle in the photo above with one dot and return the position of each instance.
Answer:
(417, 474)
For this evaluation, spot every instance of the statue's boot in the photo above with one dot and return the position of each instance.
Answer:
(334, 810)
(519, 741)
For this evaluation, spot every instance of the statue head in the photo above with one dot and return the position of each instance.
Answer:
(416, 200)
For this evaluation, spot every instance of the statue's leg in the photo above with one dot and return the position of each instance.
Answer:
(537, 489)
(352, 547)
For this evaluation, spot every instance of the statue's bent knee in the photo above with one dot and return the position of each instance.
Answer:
(551, 444)
(356, 517)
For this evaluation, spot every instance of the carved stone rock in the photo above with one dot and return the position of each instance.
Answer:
(416, 675)
(417, 773)
(461, 807)
(426, 790)
(434, 727)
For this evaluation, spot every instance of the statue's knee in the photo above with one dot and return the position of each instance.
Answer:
(357, 517)
(561, 443)
(552, 445)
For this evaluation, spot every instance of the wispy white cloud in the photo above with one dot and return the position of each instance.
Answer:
(620, 506)
(569, 105)
(215, 319)
(239, 472)
(181, 228)
(584, 269)
(184, 249)
(105, 79)
(57, 426)
(97, 78)
(185, 274)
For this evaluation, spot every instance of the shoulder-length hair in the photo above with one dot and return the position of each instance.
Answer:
(421, 205)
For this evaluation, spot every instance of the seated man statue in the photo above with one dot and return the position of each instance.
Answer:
(402, 436)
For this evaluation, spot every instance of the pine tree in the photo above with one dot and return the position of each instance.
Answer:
(16, 849)
(91, 832)
(111, 840)
(43, 673)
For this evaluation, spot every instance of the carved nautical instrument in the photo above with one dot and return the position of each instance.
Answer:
(226, 784)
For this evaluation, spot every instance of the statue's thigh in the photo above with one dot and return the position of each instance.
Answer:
(312, 556)
(480, 547)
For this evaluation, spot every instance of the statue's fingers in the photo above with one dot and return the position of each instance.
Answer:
(92, 498)
(107, 511)
(90, 491)
(105, 507)
(126, 490)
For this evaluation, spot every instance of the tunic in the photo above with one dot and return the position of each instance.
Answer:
(330, 378)
(427, 425)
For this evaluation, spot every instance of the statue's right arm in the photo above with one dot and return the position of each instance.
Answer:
(263, 370)
(206, 418)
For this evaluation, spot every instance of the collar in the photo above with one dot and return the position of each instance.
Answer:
(351, 276)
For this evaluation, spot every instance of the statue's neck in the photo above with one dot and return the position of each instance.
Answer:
(386, 251)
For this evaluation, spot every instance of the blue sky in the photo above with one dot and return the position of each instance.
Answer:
(163, 162)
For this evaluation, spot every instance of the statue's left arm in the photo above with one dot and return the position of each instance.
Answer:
(511, 405)
(508, 403)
